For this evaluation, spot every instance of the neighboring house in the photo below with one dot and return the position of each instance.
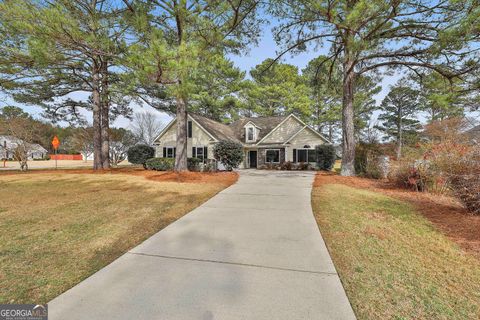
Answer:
(8, 144)
(264, 139)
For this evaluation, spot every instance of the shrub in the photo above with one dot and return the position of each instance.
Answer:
(366, 160)
(140, 153)
(287, 165)
(193, 164)
(464, 179)
(304, 166)
(325, 156)
(210, 166)
(229, 153)
(160, 164)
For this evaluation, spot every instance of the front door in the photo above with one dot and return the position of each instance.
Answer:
(253, 158)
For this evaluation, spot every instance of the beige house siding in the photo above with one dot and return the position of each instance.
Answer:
(303, 138)
(199, 139)
(287, 129)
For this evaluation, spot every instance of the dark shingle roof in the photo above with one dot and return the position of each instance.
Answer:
(266, 124)
(235, 131)
(219, 130)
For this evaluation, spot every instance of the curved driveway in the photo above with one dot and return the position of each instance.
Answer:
(251, 252)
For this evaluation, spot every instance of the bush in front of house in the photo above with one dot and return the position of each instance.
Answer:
(193, 164)
(160, 164)
(325, 156)
(140, 153)
(229, 153)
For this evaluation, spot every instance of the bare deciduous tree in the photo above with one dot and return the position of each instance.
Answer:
(146, 127)
(83, 141)
(23, 132)
(120, 141)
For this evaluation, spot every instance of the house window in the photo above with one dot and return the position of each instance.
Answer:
(199, 152)
(169, 152)
(272, 156)
(189, 129)
(250, 134)
(304, 155)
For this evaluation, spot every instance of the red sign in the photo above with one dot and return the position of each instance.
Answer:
(55, 142)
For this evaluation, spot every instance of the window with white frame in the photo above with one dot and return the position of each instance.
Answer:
(272, 156)
(250, 134)
(169, 152)
(304, 155)
(199, 152)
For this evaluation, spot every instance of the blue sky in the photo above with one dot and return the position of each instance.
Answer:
(266, 48)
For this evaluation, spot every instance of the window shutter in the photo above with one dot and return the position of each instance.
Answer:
(164, 152)
(294, 155)
(194, 154)
(205, 154)
(189, 129)
(174, 152)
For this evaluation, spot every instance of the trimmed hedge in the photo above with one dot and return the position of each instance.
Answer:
(229, 153)
(325, 156)
(167, 164)
(193, 164)
(160, 164)
(140, 153)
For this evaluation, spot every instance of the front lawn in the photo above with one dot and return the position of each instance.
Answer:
(57, 228)
(393, 262)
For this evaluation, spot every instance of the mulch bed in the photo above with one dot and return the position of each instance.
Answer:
(445, 212)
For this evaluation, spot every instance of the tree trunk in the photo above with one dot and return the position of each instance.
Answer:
(97, 119)
(181, 147)
(348, 129)
(400, 135)
(105, 117)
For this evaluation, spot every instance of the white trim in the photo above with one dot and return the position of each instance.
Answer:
(251, 122)
(166, 152)
(306, 149)
(291, 114)
(248, 158)
(205, 130)
(246, 128)
(164, 130)
(311, 129)
(188, 118)
(266, 150)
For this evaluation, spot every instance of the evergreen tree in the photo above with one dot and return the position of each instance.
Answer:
(368, 36)
(63, 55)
(278, 90)
(398, 118)
(179, 40)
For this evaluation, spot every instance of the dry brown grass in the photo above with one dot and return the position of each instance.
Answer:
(57, 228)
(393, 262)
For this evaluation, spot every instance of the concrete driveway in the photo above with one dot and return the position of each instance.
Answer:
(251, 252)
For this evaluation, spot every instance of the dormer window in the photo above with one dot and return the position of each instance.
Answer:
(250, 133)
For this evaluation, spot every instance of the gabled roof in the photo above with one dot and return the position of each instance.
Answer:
(266, 124)
(236, 130)
(219, 130)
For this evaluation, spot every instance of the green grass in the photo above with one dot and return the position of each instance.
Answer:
(56, 229)
(392, 262)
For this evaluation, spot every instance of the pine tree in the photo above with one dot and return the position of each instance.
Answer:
(54, 52)
(179, 39)
(398, 118)
(366, 36)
